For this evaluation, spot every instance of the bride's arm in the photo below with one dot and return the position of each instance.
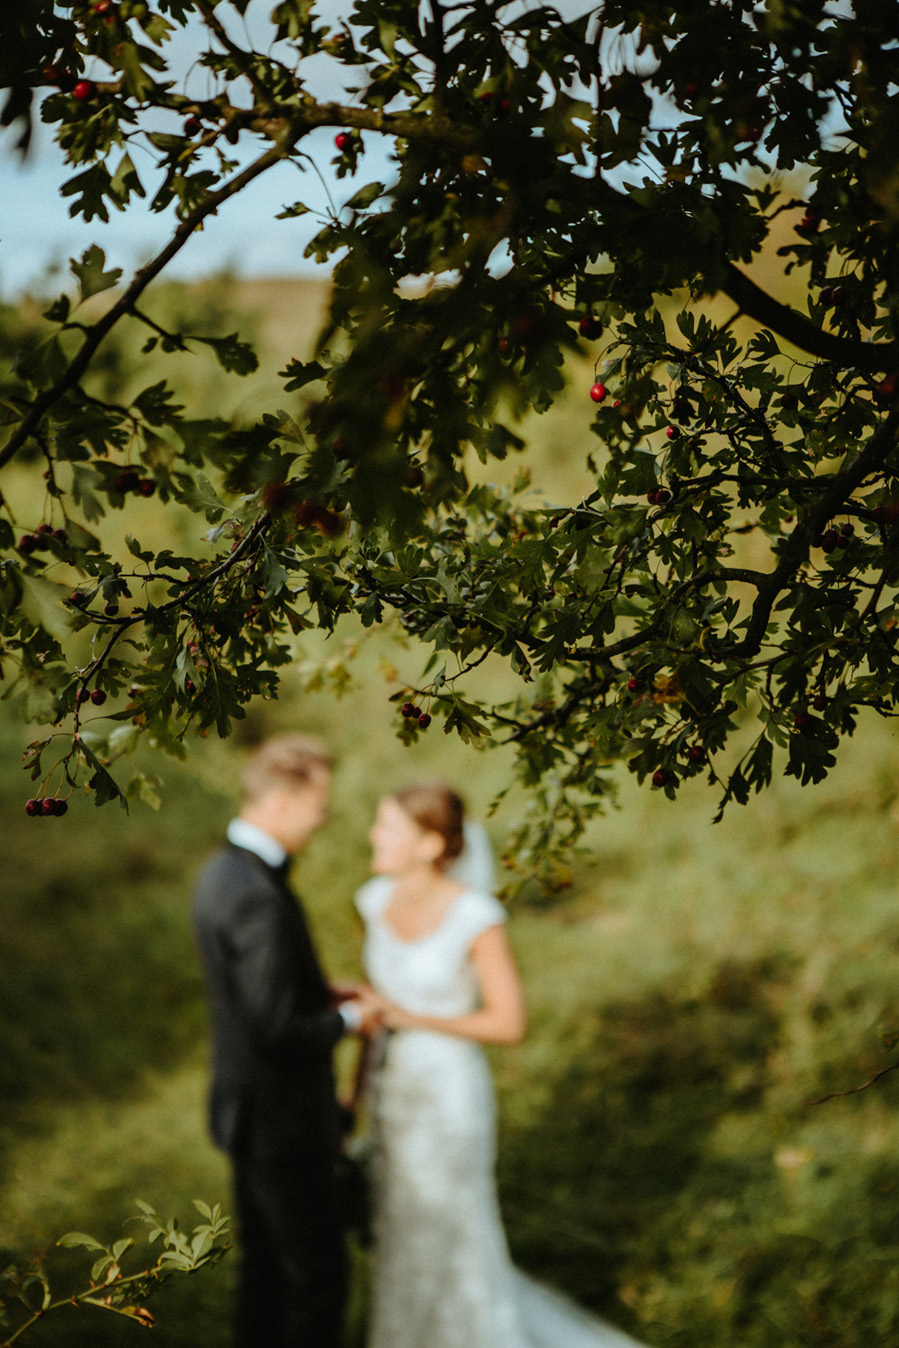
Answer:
(501, 1016)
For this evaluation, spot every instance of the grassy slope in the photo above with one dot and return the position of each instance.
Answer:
(690, 992)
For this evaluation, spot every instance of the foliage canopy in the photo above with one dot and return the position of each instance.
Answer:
(562, 190)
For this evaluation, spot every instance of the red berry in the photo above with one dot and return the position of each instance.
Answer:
(76, 597)
(810, 222)
(32, 807)
(407, 709)
(83, 695)
(672, 432)
(98, 697)
(146, 486)
(819, 702)
(60, 807)
(60, 535)
(589, 327)
(27, 543)
(598, 392)
(344, 140)
(125, 481)
(696, 753)
(633, 683)
(660, 777)
(848, 529)
(424, 720)
(193, 126)
(110, 609)
(84, 91)
(47, 805)
(802, 720)
(888, 388)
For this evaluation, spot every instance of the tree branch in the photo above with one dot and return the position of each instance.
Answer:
(142, 278)
(853, 1090)
(794, 327)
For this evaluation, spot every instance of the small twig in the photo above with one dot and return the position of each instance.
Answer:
(853, 1090)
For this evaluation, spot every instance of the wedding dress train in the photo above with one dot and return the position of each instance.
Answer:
(442, 1273)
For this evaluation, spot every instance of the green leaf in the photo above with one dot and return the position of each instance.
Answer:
(42, 604)
(91, 277)
(231, 353)
(78, 1238)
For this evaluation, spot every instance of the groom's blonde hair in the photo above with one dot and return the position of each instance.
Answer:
(293, 760)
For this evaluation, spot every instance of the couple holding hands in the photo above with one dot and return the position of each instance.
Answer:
(442, 981)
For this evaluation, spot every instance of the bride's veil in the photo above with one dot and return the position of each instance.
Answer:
(474, 867)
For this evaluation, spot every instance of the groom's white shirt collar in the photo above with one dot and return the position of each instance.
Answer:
(253, 839)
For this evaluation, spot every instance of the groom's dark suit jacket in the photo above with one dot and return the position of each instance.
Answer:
(273, 1026)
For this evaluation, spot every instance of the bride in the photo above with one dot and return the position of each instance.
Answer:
(436, 950)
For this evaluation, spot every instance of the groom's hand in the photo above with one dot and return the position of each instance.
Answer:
(344, 992)
(371, 1010)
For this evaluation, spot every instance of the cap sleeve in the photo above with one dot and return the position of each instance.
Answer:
(372, 898)
(475, 912)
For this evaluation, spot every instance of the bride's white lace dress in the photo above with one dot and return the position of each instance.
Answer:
(442, 1273)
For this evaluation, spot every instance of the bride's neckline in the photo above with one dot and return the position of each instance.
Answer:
(425, 936)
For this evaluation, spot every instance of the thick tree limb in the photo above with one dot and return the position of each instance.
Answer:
(795, 328)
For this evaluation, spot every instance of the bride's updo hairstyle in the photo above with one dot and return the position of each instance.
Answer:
(436, 808)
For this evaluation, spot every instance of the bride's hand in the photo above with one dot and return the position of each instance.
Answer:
(395, 1018)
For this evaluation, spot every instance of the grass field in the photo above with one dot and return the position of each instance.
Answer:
(689, 993)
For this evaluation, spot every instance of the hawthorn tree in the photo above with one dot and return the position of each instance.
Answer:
(562, 191)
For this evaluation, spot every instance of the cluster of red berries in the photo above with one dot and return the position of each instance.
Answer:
(658, 496)
(830, 539)
(411, 712)
(131, 481)
(97, 696)
(831, 295)
(47, 805)
(41, 538)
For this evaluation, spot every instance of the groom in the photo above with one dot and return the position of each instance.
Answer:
(274, 1022)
